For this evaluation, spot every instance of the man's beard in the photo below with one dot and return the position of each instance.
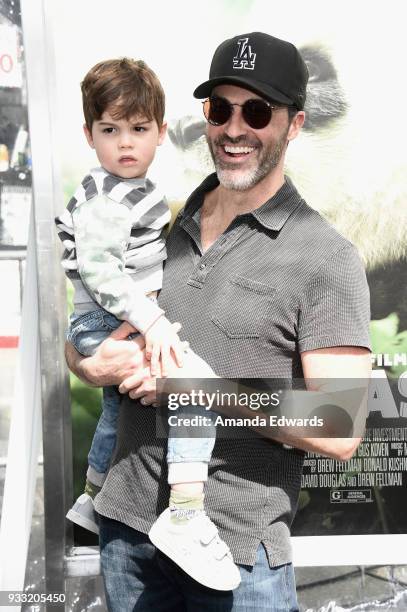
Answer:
(267, 159)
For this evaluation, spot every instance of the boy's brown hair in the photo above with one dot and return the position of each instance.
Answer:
(127, 87)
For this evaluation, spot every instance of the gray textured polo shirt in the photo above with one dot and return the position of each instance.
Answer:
(280, 280)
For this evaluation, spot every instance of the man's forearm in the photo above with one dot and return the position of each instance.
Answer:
(333, 439)
(340, 449)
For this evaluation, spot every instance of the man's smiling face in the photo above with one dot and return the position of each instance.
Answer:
(242, 155)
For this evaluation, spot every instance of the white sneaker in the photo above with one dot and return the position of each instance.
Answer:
(83, 513)
(197, 548)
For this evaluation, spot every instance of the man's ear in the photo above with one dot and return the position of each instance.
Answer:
(162, 132)
(296, 125)
(88, 135)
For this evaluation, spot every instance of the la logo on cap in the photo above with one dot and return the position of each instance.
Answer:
(244, 57)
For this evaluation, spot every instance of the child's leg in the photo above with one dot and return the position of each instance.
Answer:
(188, 459)
(104, 441)
(184, 532)
(86, 333)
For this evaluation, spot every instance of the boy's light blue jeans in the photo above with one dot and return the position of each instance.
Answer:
(188, 457)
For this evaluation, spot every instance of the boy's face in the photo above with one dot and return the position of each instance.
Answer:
(125, 147)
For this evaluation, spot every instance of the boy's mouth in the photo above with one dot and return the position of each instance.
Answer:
(127, 159)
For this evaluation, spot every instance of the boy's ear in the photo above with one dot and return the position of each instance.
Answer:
(88, 135)
(162, 132)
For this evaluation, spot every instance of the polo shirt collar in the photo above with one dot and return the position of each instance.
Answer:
(272, 214)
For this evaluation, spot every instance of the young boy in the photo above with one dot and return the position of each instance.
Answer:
(112, 231)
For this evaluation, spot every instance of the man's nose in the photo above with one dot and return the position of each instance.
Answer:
(236, 126)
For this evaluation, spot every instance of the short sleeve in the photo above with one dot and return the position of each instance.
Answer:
(335, 309)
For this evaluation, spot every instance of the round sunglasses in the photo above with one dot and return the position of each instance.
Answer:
(257, 113)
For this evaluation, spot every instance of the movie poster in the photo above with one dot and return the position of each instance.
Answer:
(339, 495)
(349, 163)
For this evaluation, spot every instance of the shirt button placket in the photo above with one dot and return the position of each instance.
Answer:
(202, 272)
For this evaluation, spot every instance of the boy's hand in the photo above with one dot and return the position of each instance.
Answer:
(144, 387)
(162, 338)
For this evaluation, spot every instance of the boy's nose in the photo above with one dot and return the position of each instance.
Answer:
(125, 141)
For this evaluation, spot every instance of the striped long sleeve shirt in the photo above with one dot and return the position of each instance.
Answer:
(112, 232)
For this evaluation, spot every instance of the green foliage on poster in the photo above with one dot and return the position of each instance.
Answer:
(386, 339)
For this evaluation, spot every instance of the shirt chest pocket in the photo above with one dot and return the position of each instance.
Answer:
(242, 307)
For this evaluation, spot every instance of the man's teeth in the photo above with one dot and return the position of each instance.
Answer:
(238, 150)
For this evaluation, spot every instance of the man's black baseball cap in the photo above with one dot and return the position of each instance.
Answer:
(272, 68)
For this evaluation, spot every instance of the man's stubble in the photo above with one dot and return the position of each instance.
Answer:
(267, 159)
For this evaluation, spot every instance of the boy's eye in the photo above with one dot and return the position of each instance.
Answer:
(139, 128)
(108, 130)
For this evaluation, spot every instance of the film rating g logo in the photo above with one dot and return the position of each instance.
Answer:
(244, 57)
(350, 496)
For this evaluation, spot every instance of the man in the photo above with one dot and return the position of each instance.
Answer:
(264, 288)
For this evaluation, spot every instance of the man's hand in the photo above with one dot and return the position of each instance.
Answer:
(116, 359)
